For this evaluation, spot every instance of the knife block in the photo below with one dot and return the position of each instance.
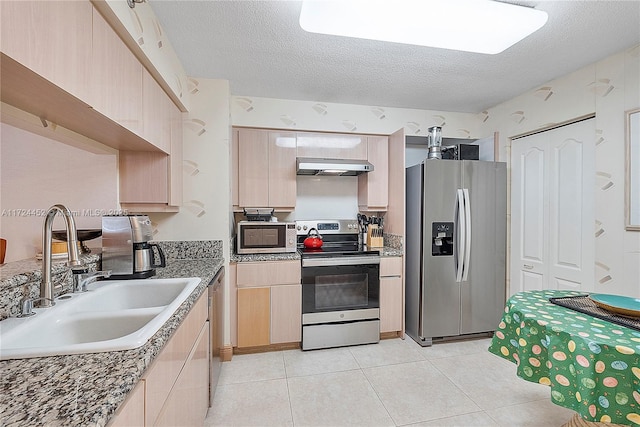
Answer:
(374, 236)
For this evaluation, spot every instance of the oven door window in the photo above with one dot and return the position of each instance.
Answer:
(338, 288)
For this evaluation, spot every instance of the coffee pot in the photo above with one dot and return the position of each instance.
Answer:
(126, 247)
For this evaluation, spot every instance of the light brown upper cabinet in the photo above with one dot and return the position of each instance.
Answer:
(373, 187)
(63, 63)
(331, 146)
(117, 79)
(266, 169)
(52, 38)
(156, 111)
(152, 181)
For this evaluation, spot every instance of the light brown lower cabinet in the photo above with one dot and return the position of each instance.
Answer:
(254, 316)
(188, 401)
(286, 314)
(175, 388)
(269, 303)
(391, 303)
(131, 413)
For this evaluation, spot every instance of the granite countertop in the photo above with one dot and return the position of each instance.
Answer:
(87, 389)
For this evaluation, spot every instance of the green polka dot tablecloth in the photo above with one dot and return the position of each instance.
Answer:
(591, 365)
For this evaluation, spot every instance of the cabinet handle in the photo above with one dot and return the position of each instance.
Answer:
(528, 266)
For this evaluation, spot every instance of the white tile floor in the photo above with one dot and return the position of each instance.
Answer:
(393, 383)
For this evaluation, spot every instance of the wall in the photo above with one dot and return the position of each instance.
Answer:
(607, 88)
(38, 172)
(204, 214)
(345, 118)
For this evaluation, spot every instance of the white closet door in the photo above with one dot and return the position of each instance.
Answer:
(552, 209)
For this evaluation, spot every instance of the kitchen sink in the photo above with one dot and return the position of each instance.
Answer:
(112, 315)
(130, 294)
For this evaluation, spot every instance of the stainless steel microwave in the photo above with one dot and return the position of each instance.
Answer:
(263, 237)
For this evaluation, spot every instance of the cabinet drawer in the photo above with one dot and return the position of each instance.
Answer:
(259, 274)
(391, 266)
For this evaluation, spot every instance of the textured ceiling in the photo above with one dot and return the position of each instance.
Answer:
(260, 48)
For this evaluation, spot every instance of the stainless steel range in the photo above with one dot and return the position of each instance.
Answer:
(340, 287)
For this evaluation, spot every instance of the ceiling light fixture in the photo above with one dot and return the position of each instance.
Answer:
(481, 26)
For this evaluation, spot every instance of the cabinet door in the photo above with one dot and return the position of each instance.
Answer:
(131, 413)
(286, 314)
(253, 317)
(143, 177)
(175, 161)
(253, 168)
(157, 112)
(233, 304)
(331, 146)
(52, 38)
(163, 373)
(188, 401)
(373, 187)
(116, 79)
(390, 304)
(234, 169)
(282, 170)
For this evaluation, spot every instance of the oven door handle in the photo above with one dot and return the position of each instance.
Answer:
(337, 261)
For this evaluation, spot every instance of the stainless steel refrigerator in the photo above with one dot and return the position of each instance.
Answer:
(456, 221)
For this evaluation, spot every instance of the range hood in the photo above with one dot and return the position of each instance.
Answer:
(332, 167)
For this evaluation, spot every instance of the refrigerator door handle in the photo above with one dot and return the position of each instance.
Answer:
(467, 245)
(462, 239)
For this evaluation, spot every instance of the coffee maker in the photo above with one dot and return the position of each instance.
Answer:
(126, 250)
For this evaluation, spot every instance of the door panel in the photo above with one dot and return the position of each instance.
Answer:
(532, 185)
(567, 284)
(531, 281)
(566, 240)
(552, 217)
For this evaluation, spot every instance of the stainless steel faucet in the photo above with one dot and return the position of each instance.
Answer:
(81, 280)
(46, 286)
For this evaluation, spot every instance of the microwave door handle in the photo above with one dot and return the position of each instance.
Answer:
(461, 235)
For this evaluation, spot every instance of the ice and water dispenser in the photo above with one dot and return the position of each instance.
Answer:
(442, 238)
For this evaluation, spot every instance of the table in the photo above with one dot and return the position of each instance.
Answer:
(592, 366)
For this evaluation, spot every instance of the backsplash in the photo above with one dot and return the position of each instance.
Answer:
(191, 249)
(20, 279)
(393, 241)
